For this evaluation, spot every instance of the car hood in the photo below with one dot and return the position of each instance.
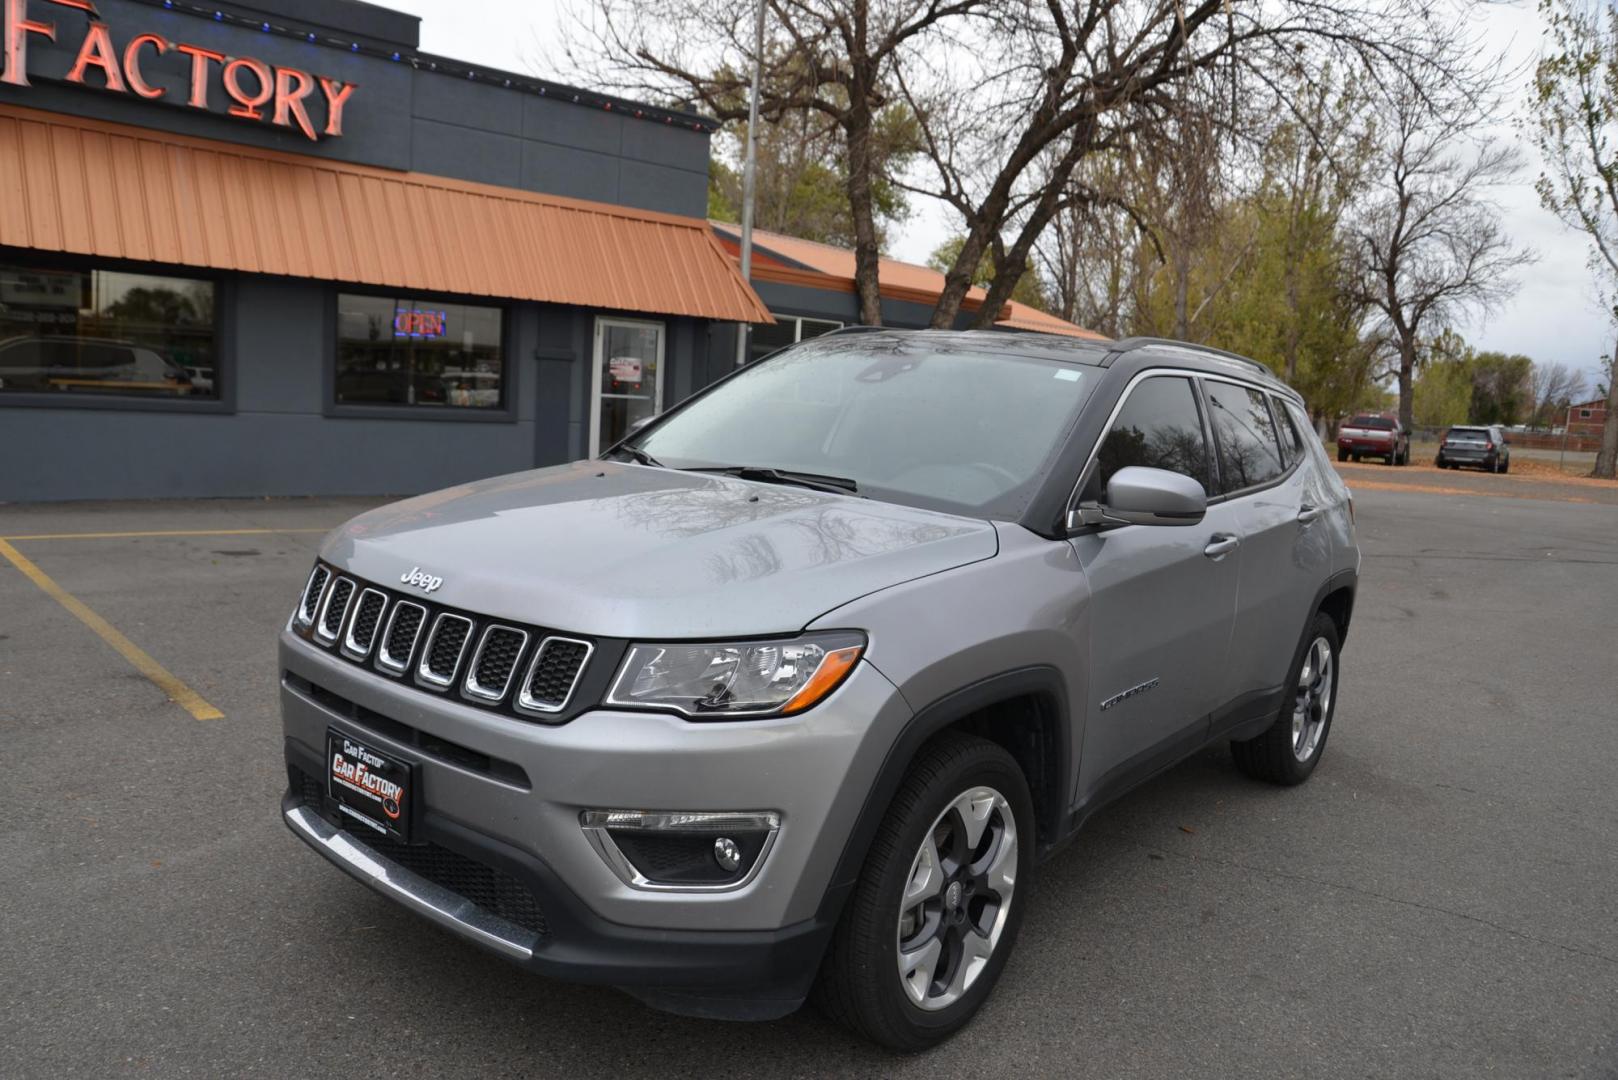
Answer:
(619, 550)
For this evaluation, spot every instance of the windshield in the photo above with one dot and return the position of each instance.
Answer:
(912, 420)
(1373, 423)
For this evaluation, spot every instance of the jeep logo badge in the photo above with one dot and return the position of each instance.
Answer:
(424, 582)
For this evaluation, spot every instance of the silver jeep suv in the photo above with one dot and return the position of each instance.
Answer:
(790, 693)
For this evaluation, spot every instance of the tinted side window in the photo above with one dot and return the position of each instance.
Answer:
(1249, 453)
(1158, 427)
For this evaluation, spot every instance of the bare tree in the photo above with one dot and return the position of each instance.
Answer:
(1061, 81)
(834, 58)
(1576, 128)
(1554, 387)
(1430, 241)
(1011, 95)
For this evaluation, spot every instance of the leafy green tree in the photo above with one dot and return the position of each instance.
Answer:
(1442, 394)
(1501, 393)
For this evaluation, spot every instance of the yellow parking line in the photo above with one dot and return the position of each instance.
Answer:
(178, 692)
(163, 532)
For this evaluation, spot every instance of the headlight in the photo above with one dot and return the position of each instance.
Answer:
(736, 678)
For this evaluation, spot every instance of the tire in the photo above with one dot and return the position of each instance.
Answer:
(1505, 466)
(860, 984)
(1390, 459)
(1356, 459)
(1342, 455)
(1287, 753)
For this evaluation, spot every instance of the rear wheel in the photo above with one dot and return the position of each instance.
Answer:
(1288, 751)
(1505, 466)
(937, 907)
(1342, 455)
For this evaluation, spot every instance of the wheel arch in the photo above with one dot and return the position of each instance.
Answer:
(1336, 598)
(1024, 711)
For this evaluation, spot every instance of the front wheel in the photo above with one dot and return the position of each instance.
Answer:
(1288, 751)
(936, 910)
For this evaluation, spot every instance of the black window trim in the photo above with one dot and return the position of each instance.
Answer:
(224, 330)
(509, 382)
(1274, 481)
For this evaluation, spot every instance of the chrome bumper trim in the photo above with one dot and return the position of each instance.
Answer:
(410, 889)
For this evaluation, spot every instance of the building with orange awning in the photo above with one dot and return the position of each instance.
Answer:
(250, 254)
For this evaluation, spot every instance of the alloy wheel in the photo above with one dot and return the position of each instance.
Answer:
(957, 898)
(1312, 706)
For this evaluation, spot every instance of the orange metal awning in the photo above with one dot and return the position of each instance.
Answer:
(93, 188)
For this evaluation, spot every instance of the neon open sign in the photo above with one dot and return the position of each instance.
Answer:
(419, 324)
(257, 91)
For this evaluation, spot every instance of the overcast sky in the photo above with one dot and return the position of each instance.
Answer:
(1553, 317)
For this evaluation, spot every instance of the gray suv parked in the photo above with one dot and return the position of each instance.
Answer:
(793, 690)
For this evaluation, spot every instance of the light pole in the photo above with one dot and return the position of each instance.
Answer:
(749, 168)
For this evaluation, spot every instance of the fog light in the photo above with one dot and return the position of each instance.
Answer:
(687, 850)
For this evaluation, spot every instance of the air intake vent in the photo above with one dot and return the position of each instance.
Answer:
(311, 595)
(362, 629)
(331, 618)
(445, 646)
(553, 673)
(495, 661)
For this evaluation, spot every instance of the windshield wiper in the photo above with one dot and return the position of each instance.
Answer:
(639, 456)
(841, 485)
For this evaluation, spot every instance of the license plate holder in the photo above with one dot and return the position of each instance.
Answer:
(375, 789)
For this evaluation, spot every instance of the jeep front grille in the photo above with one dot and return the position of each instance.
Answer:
(524, 671)
(552, 674)
(489, 676)
(362, 628)
(331, 618)
(445, 647)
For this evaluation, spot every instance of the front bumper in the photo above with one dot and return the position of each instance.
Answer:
(750, 951)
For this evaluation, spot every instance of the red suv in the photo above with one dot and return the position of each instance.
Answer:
(1371, 435)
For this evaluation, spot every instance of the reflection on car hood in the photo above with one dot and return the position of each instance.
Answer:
(621, 550)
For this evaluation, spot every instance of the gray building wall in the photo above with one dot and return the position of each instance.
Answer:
(280, 439)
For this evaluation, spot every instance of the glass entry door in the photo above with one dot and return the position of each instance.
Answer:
(627, 384)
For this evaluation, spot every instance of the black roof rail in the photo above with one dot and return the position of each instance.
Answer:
(1131, 344)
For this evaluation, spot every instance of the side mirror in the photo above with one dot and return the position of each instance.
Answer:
(1137, 495)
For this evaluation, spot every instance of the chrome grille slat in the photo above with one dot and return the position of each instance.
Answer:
(333, 609)
(446, 646)
(494, 663)
(312, 593)
(399, 638)
(553, 674)
(362, 627)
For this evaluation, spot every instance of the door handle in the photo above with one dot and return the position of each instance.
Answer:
(1308, 513)
(1220, 545)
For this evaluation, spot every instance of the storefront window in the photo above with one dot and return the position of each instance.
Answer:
(788, 330)
(404, 351)
(106, 332)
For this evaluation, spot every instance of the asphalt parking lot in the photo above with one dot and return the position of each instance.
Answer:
(1439, 900)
